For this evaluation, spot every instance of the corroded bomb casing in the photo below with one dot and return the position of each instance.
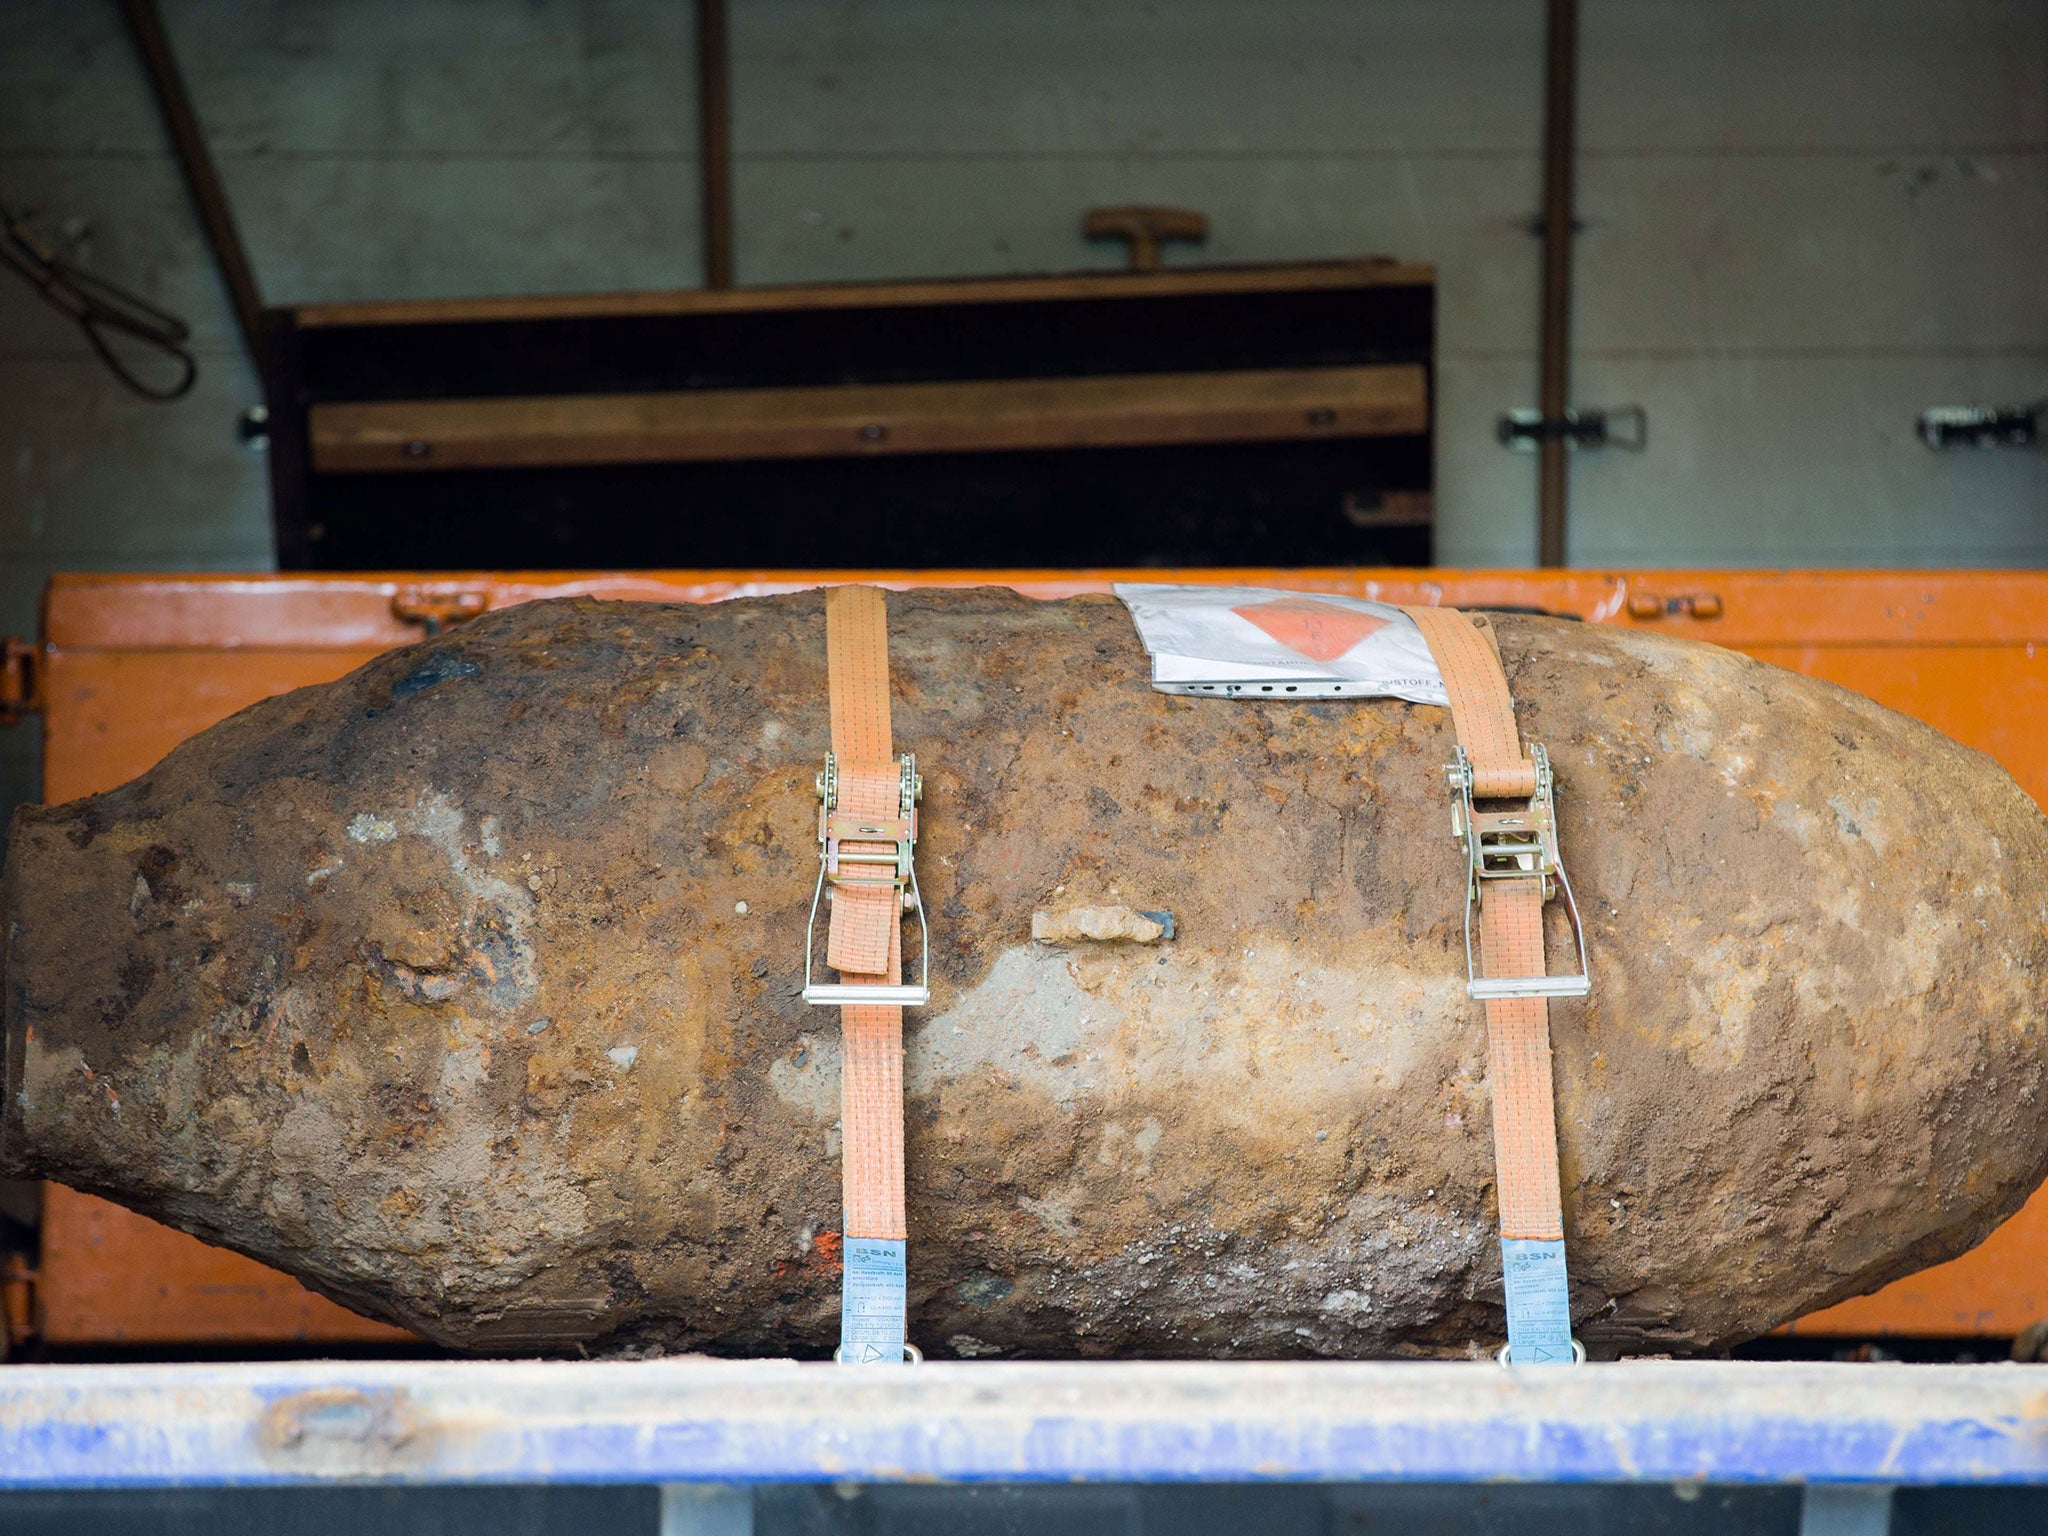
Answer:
(466, 989)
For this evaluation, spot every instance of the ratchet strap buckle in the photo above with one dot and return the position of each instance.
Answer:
(868, 854)
(1517, 843)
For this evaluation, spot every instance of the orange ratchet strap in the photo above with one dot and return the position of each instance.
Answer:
(1512, 868)
(867, 832)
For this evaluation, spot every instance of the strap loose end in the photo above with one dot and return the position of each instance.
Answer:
(1539, 1302)
(872, 1302)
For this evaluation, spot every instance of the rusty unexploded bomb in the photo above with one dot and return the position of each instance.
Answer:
(466, 989)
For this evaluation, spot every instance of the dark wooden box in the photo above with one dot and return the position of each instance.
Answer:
(1206, 416)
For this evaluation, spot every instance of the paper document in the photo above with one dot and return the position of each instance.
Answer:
(1259, 643)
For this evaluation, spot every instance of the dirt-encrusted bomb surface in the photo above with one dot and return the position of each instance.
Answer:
(465, 988)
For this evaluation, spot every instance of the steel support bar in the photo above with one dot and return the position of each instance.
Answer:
(202, 180)
(1560, 153)
(714, 140)
(738, 1422)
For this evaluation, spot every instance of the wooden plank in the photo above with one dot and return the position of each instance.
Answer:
(1366, 272)
(1252, 405)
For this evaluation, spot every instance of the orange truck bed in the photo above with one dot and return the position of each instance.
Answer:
(132, 665)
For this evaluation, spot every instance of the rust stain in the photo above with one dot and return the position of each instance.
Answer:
(341, 1431)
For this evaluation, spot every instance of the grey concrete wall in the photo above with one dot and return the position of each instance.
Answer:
(1802, 223)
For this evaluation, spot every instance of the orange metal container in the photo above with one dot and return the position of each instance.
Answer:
(132, 665)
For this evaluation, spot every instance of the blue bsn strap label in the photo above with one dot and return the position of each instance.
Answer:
(871, 1301)
(1539, 1301)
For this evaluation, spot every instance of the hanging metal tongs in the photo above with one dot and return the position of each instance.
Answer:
(100, 309)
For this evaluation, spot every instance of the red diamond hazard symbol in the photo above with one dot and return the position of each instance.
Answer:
(1318, 630)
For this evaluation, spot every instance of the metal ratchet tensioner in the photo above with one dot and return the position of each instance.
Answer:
(841, 867)
(1518, 844)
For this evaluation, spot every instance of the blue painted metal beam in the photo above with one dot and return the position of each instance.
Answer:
(755, 1421)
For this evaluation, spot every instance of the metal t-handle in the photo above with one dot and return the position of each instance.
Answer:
(1147, 229)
